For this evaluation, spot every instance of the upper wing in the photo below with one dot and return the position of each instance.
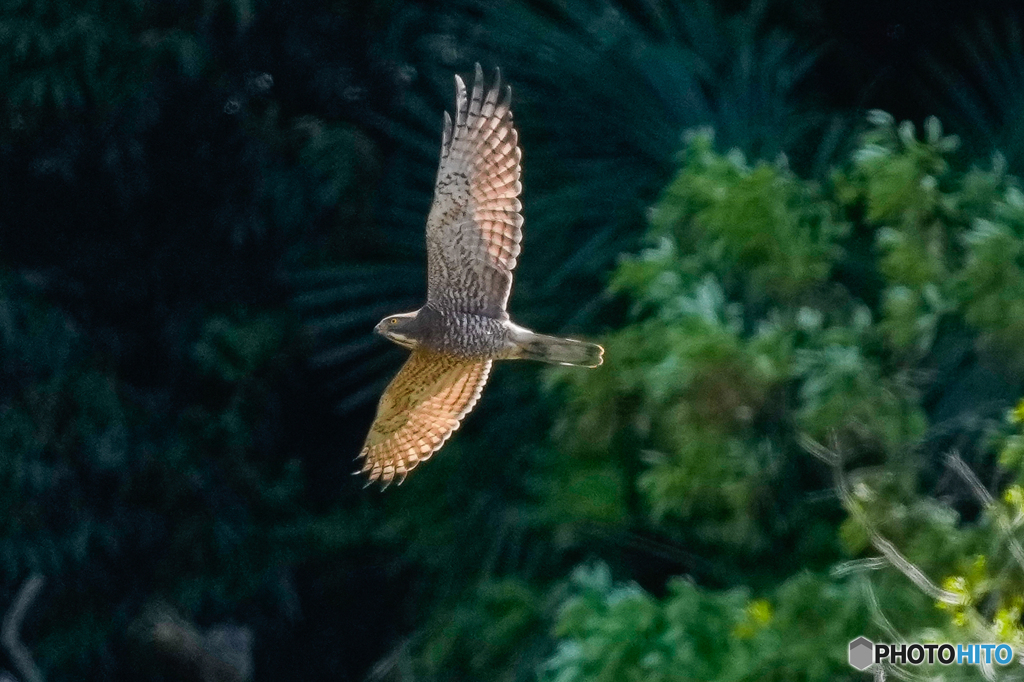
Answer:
(475, 226)
(419, 410)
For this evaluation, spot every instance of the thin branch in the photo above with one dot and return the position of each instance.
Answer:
(197, 656)
(857, 566)
(10, 632)
(888, 550)
(987, 501)
(903, 673)
(833, 458)
(880, 618)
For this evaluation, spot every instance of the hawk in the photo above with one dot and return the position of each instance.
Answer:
(473, 233)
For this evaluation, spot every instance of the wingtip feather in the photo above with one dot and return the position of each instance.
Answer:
(476, 100)
(461, 103)
(446, 135)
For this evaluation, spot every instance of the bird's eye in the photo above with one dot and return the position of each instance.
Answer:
(393, 320)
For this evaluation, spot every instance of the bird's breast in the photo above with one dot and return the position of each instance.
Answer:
(467, 335)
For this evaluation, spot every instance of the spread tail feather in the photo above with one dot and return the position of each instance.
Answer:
(557, 351)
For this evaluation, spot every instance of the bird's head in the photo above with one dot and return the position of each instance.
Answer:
(400, 328)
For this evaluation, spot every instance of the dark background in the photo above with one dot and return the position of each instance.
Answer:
(206, 206)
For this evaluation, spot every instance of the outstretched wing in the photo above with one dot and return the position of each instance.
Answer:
(475, 226)
(419, 410)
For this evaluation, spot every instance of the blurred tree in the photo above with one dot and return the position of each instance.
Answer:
(749, 345)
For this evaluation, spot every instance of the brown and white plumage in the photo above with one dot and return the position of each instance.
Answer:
(420, 409)
(475, 226)
(474, 231)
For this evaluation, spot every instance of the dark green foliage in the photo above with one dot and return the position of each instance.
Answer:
(114, 502)
(499, 623)
(619, 632)
(62, 58)
(151, 369)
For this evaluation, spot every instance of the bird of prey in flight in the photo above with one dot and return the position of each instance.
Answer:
(473, 234)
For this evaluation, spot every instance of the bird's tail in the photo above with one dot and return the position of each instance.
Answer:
(556, 350)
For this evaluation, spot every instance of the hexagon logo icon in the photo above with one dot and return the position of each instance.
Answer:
(862, 652)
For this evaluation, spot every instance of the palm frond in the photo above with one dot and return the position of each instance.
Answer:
(979, 93)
